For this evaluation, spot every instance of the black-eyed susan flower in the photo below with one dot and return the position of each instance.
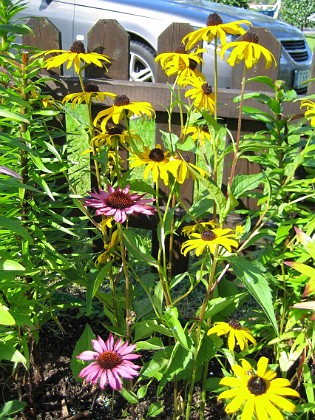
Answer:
(181, 168)
(237, 334)
(122, 108)
(215, 28)
(310, 111)
(247, 49)
(113, 134)
(76, 55)
(199, 133)
(259, 394)
(208, 240)
(91, 91)
(201, 94)
(182, 63)
(155, 161)
(198, 227)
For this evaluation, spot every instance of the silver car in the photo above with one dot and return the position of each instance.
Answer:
(145, 20)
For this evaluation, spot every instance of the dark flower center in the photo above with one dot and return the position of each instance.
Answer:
(180, 49)
(257, 385)
(119, 200)
(109, 360)
(115, 129)
(214, 20)
(192, 64)
(205, 128)
(77, 47)
(208, 235)
(157, 155)
(235, 324)
(121, 100)
(91, 87)
(250, 36)
(207, 89)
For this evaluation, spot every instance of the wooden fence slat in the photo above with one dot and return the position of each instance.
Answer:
(109, 38)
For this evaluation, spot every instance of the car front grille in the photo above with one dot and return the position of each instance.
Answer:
(296, 49)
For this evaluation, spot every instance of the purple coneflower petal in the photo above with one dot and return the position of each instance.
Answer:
(88, 355)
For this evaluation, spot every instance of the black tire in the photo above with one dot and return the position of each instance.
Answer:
(142, 67)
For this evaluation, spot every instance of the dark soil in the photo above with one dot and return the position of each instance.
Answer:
(51, 392)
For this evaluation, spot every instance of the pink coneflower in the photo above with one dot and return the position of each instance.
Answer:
(119, 202)
(111, 361)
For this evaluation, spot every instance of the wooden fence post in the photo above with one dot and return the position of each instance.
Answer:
(109, 38)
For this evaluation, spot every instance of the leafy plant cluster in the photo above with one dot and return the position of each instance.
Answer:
(298, 13)
(48, 228)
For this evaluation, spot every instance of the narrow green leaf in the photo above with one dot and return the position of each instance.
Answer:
(253, 276)
(84, 343)
(154, 343)
(12, 116)
(130, 396)
(16, 227)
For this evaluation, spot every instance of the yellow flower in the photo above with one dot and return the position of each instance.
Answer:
(181, 168)
(75, 56)
(91, 91)
(215, 28)
(155, 161)
(121, 108)
(201, 94)
(209, 239)
(181, 63)
(110, 248)
(199, 133)
(198, 227)
(113, 134)
(247, 48)
(261, 391)
(310, 112)
(235, 332)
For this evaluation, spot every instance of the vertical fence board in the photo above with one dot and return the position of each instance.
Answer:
(109, 38)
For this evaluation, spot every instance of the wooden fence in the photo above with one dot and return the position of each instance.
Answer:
(108, 37)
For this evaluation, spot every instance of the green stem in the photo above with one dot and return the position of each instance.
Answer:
(239, 126)
(198, 332)
(127, 280)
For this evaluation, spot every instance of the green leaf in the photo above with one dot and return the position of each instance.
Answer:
(171, 319)
(11, 407)
(253, 276)
(10, 265)
(8, 352)
(5, 317)
(155, 409)
(154, 343)
(302, 268)
(84, 343)
(15, 226)
(12, 116)
(243, 183)
(138, 250)
(129, 396)
(263, 79)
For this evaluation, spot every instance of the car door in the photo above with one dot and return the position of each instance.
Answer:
(59, 12)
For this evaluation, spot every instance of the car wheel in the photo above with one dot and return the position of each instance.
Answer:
(142, 67)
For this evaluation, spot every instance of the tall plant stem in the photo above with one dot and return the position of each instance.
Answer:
(198, 332)
(239, 127)
(91, 132)
(127, 280)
